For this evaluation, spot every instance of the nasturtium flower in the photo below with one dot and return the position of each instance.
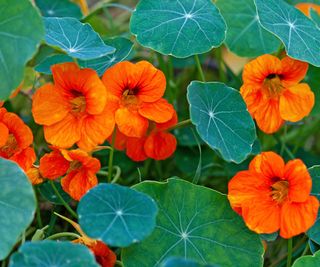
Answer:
(157, 143)
(15, 140)
(306, 7)
(75, 109)
(273, 196)
(273, 92)
(34, 176)
(78, 168)
(138, 89)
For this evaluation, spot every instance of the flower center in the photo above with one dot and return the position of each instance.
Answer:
(74, 165)
(272, 86)
(10, 147)
(78, 105)
(279, 191)
(129, 98)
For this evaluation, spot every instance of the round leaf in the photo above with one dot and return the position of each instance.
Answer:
(59, 8)
(51, 253)
(178, 262)
(178, 28)
(117, 215)
(308, 261)
(45, 65)
(222, 119)
(299, 34)
(17, 205)
(245, 35)
(21, 30)
(75, 38)
(194, 223)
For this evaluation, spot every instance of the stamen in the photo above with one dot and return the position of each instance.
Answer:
(279, 191)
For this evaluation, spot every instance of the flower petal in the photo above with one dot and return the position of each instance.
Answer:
(25, 158)
(4, 134)
(296, 102)
(53, 165)
(34, 176)
(297, 218)
(135, 149)
(90, 164)
(160, 111)
(293, 71)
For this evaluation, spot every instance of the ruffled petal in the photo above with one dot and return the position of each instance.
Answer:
(253, 98)
(166, 125)
(297, 218)
(53, 165)
(135, 149)
(25, 158)
(4, 134)
(90, 164)
(160, 111)
(293, 71)
(296, 102)
(300, 182)
(34, 176)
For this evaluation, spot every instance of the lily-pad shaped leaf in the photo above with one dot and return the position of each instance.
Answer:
(180, 28)
(117, 215)
(58, 8)
(222, 119)
(245, 35)
(299, 34)
(51, 253)
(179, 262)
(315, 16)
(17, 205)
(308, 261)
(45, 65)
(75, 38)
(123, 48)
(48, 193)
(195, 223)
(21, 30)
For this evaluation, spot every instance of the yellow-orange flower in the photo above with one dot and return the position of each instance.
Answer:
(79, 167)
(75, 109)
(138, 90)
(272, 195)
(272, 91)
(306, 7)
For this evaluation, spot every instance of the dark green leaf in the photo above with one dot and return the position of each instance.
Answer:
(308, 261)
(45, 65)
(181, 262)
(315, 17)
(117, 215)
(48, 193)
(59, 8)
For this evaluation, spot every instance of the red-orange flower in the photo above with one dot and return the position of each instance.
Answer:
(79, 167)
(272, 91)
(138, 89)
(75, 109)
(306, 7)
(15, 140)
(272, 195)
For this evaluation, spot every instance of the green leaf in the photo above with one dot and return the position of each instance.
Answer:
(308, 261)
(21, 30)
(178, 28)
(17, 205)
(117, 215)
(312, 78)
(315, 17)
(179, 262)
(245, 36)
(222, 119)
(58, 8)
(45, 65)
(52, 253)
(75, 38)
(299, 34)
(196, 223)
(48, 193)
(123, 48)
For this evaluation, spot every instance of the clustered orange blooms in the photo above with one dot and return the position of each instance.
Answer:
(273, 196)
(273, 92)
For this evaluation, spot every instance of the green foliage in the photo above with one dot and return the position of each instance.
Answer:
(197, 223)
(117, 215)
(58, 8)
(45, 65)
(48, 193)
(17, 205)
(308, 261)
(245, 35)
(188, 27)
(178, 262)
(78, 40)
(222, 119)
(51, 253)
(18, 41)
(299, 34)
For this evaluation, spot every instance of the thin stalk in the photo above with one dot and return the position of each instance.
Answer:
(289, 257)
(181, 124)
(71, 211)
(306, 249)
(63, 234)
(119, 263)
(221, 69)
(199, 67)
(117, 175)
(110, 165)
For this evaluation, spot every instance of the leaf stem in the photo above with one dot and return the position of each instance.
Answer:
(71, 211)
(198, 63)
(63, 234)
(110, 165)
(119, 263)
(289, 257)
(306, 249)
(181, 124)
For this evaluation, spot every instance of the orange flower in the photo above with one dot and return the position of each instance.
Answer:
(75, 109)
(15, 140)
(272, 195)
(138, 89)
(306, 7)
(158, 144)
(272, 91)
(34, 176)
(79, 167)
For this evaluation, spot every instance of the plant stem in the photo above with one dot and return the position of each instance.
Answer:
(110, 165)
(198, 63)
(181, 124)
(305, 251)
(119, 263)
(63, 234)
(72, 212)
(117, 175)
(289, 257)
